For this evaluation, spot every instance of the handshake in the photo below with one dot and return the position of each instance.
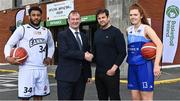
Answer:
(88, 56)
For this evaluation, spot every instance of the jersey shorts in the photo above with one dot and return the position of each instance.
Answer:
(32, 82)
(141, 77)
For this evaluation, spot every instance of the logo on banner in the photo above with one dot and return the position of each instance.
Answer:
(171, 30)
(172, 11)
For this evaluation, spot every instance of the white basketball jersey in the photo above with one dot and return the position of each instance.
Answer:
(34, 41)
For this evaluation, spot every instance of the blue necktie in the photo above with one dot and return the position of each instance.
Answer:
(78, 40)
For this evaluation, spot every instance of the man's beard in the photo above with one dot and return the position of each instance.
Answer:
(105, 25)
(31, 21)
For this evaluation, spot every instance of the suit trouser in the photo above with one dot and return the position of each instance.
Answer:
(107, 86)
(71, 90)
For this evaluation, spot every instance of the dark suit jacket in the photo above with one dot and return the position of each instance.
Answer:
(71, 61)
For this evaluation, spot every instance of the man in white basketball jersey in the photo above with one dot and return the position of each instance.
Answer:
(39, 44)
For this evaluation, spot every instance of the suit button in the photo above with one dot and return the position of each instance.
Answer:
(80, 64)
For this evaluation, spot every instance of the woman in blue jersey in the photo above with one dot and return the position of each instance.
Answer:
(141, 72)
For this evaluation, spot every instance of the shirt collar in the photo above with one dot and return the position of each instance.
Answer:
(73, 30)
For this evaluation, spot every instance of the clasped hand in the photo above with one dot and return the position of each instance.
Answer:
(88, 56)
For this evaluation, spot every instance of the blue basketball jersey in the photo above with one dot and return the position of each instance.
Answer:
(136, 39)
(140, 70)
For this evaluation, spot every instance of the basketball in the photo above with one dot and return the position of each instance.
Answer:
(148, 50)
(20, 53)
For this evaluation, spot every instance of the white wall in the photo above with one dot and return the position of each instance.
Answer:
(26, 2)
(5, 4)
(119, 12)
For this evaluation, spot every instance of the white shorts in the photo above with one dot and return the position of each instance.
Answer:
(33, 82)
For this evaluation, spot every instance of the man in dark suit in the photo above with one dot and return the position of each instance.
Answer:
(73, 69)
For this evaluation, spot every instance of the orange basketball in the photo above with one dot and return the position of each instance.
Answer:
(148, 50)
(20, 53)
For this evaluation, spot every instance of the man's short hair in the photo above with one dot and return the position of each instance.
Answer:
(100, 11)
(36, 8)
(73, 12)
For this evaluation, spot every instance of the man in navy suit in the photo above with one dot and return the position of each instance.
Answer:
(73, 71)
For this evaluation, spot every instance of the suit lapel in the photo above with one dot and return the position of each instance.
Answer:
(71, 34)
(72, 37)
